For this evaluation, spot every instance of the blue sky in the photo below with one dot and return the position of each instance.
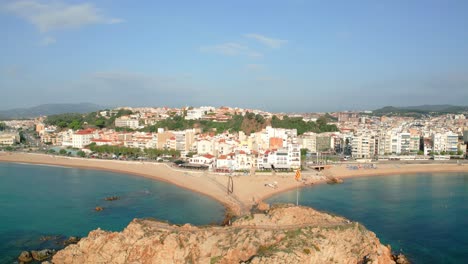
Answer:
(274, 55)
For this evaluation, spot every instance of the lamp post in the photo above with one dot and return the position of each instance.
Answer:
(465, 140)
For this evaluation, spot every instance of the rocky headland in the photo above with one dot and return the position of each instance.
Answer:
(283, 234)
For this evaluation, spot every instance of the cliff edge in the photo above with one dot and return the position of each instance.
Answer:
(286, 234)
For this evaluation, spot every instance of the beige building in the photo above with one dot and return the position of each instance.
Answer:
(9, 138)
(126, 121)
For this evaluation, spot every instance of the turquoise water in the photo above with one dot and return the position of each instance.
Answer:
(44, 200)
(425, 216)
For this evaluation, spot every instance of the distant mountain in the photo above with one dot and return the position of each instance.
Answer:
(422, 109)
(49, 109)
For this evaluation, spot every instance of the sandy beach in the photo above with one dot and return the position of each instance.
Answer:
(247, 191)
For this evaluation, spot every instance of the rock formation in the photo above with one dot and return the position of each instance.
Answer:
(285, 234)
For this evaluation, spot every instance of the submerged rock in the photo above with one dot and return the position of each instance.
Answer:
(112, 198)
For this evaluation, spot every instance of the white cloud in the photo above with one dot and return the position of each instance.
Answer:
(49, 16)
(267, 41)
(231, 49)
(48, 41)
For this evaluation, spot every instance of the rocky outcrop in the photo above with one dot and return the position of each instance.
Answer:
(283, 235)
(25, 257)
(42, 254)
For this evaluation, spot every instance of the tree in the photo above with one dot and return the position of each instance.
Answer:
(100, 123)
(81, 154)
(420, 152)
(62, 152)
(2, 126)
(51, 151)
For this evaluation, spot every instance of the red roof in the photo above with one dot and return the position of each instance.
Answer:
(242, 152)
(208, 156)
(222, 157)
(84, 132)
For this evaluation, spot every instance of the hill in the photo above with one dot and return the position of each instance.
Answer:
(48, 109)
(422, 109)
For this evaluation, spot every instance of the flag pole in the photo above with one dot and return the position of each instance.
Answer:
(297, 193)
(297, 177)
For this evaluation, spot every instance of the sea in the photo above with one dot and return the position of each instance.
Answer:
(40, 205)
(424, 216)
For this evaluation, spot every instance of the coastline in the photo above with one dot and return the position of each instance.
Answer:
(248, 190)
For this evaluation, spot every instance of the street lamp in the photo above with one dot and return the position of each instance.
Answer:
(465, 140)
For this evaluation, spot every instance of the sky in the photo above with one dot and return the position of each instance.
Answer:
(292, 56)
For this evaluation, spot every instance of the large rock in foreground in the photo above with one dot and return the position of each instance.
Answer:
(283, 235)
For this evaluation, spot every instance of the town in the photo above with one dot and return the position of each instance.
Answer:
(228, 139)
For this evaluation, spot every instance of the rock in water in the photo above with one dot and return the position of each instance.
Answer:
(71, 240)
(111, 198)
(401, 259)
(283, 235)
(43, 254)
(25, 256)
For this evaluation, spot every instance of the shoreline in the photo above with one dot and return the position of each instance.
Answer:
(248, 190)
(129, 173)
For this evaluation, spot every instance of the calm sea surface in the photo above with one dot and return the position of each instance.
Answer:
(425, 216)
(40, 201)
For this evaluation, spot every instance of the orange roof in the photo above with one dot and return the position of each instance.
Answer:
(208, 156)
(84, 132)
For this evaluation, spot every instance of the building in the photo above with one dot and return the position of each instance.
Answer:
(205, 146)
(363, 146)
(82, 138)
(445, 142)
(206, 159)
(127, 121)
(9, 138)
(308, 141)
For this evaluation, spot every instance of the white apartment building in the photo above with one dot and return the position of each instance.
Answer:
(447, 142)
(226, 162)
(285, 158)
(205, 146)
(82, 138)
(199, 112)
(452, 142)
(308, 141)
(126, 121)
(403, 143)
(363, 146)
